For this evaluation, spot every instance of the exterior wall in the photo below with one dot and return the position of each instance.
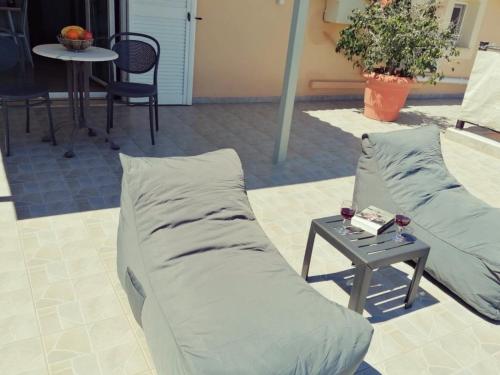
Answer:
(241, 51)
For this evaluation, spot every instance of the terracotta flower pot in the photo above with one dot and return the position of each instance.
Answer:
(385, 96)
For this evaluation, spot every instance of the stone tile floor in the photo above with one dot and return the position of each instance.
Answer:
(62, 310)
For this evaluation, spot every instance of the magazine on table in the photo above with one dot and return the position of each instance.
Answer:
(373, 220)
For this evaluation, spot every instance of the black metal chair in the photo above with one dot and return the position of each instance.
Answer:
(18, 28)
(137, 55)
(18, 86)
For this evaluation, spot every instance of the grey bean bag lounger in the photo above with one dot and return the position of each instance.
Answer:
(405, 170)
(210, 291)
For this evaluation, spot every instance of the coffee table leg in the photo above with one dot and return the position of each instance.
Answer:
(308, 253)
(417, 275)
(359, 291)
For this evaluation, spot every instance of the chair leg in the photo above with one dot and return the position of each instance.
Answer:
(151, 120)
(28, 40)
(27, 116)
(109, 112)
(7, 130)
(112, 108)
(12, 27)
(51, 122)
(156, 113)
(27, 50)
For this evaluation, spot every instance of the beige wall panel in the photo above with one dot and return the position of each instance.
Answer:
(241, 50)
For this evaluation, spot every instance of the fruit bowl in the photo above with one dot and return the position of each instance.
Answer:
(75, 44)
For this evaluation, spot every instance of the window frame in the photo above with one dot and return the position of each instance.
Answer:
(464, 7)
(472, 20)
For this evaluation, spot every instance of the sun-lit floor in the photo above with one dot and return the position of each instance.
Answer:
(62, 310)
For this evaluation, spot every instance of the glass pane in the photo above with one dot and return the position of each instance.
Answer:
(45, 21)
(100, 27)
(457, 17)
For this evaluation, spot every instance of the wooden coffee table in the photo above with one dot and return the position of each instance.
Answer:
(368, 252)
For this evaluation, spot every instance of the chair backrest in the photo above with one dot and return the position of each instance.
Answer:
(136, 55)
(24, 15)
(9, 53)
(20, 19)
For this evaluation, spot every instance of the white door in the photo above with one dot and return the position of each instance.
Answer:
(172, 23)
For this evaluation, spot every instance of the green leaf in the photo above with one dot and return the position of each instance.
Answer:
(401, 38)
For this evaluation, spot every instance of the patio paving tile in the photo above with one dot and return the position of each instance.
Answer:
(19, 326)
(13, 280)
(25, 356)
(59, 269)
(61, 317)
(67, 344)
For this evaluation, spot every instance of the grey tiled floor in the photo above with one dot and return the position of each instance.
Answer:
(62, 310)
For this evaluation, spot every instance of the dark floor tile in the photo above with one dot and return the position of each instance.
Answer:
(96, 202)
(28, 199)
(57, 196)
(85, 192)
(23, 212)
(37, 210)
(60, 208)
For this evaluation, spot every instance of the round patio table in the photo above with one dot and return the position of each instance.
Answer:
(78, 77)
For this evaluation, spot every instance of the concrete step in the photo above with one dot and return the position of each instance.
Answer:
(480, 139)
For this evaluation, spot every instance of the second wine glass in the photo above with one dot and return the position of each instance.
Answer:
(347, 210)
(401, 221)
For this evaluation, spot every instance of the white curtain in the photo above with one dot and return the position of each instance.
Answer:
(481, 103)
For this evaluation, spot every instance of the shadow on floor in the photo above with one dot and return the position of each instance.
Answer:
(386, 295)
(411, 116)
(366, 369)
(43, 183)
(417, 118)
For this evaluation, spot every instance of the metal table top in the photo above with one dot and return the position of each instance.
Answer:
(365, 248)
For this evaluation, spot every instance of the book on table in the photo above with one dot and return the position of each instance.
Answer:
(373, 220)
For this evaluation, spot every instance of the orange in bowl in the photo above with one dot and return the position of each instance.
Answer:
(72, 35)
(65, 30)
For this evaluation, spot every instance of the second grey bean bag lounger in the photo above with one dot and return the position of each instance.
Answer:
(211, 292)
(405, 170)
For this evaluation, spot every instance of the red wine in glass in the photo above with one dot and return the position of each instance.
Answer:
(401, 221)
(347, 212)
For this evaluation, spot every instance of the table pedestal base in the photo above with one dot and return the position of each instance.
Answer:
(78, 75)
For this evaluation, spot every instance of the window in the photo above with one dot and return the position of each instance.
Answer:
(457, 19)
(465, 17)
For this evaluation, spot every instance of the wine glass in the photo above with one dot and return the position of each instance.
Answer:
(347, 210)
(401, 220)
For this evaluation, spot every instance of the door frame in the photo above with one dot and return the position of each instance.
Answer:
(190, 53)
(111, 28)
(192, 8)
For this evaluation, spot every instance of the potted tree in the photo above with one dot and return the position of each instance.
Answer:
(393, 42)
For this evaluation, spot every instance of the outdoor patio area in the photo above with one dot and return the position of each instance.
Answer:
(62, 308)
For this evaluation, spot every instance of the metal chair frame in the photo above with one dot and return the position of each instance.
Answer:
(8, 100)
(20, 34)
(153, 100)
